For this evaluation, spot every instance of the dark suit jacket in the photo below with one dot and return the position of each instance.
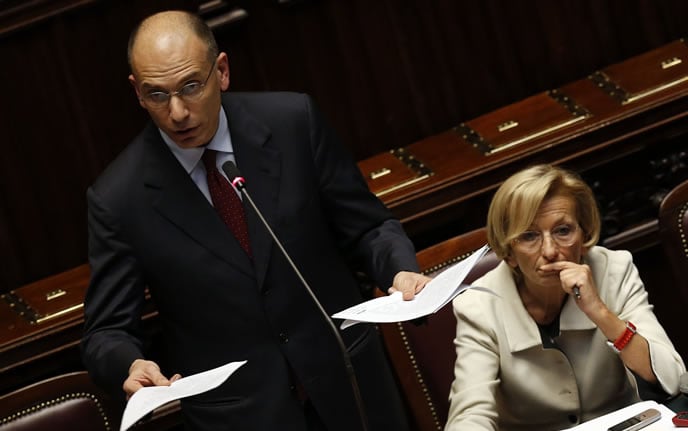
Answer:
(150, 226)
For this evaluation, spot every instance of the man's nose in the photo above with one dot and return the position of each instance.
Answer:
(178, 109)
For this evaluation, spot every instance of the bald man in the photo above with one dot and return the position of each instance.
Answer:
(152, 225)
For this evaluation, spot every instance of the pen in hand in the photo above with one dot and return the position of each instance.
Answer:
(576, 291)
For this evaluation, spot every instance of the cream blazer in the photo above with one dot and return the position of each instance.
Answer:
(503, 377)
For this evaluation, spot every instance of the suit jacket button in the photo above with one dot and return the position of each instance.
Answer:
(283, 337)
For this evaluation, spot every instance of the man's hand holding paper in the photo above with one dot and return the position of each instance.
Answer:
(434, 295)
(148, 398)
(409, 284)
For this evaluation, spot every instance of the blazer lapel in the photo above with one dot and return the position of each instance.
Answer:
(260, 166)
(175, 196)
(521, 331)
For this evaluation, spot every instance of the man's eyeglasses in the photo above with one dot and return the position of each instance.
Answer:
(190, 92)
(564, 235)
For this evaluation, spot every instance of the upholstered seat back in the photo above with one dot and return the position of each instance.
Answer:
(423, 354)
(67, 402)
(673, 229)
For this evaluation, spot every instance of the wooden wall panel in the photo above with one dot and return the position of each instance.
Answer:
(66, 111)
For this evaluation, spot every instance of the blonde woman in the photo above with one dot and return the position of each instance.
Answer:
(570, 327)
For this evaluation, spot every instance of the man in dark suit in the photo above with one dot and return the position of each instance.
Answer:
(152, 225)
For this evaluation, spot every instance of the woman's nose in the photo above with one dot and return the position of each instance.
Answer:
(549, 247)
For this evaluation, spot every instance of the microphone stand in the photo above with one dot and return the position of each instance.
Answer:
(237, 181)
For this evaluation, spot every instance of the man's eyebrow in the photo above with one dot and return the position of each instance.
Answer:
(147, 86)
(193, 76)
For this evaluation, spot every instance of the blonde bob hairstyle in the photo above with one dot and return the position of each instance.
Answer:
(517, 201)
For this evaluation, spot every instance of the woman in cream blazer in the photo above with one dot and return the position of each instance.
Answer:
(534, 353)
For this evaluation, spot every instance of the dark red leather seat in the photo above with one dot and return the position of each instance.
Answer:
(66, 402)
(673, 231)
(423, 355)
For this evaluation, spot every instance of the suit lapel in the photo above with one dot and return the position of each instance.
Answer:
(174, 195)
(260, 166)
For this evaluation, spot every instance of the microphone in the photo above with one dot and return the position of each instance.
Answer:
(234, 175)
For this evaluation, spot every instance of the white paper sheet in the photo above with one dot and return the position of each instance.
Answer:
(604, 422)
(147, 399)
(436, 294)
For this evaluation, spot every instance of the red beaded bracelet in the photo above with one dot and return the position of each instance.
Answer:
(623, 340)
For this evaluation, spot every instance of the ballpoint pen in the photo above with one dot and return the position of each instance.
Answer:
(576, 291)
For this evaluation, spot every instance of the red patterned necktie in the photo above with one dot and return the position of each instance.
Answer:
(226, 201)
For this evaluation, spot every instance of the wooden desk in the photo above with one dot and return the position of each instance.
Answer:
(41, 325)
(441, 186)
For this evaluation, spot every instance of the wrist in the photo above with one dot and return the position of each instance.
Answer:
(622, 341)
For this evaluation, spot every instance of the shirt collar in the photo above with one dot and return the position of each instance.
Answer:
(189, 157)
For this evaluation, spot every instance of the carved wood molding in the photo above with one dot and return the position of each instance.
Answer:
(18, 14)
(220, 14)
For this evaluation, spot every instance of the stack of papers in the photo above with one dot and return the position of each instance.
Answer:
(436, 294)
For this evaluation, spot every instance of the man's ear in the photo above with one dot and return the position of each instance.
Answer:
(132, 81)
(223, 68)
